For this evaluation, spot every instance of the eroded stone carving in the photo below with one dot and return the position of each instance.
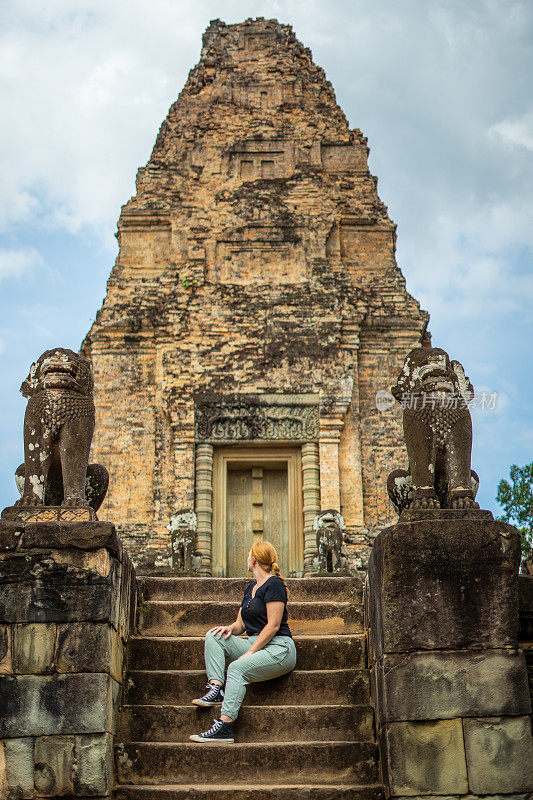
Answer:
(434, 393)
(182, 529)
(248, 421)
(55, 480)
(329, 526)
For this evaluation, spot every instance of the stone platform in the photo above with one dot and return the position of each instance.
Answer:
(67, 605)
(449, 682)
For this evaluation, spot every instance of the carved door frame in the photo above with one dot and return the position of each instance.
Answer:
(256, 421)
(259, 455)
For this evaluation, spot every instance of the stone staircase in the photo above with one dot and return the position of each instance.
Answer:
(307, 735)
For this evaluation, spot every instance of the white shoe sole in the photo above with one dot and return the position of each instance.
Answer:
(197, 738)
(205, 703)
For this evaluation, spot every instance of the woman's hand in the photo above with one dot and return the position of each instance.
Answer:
(218, 630)
(234, 629)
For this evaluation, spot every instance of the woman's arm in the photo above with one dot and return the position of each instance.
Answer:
(235, 628)
(275, 609)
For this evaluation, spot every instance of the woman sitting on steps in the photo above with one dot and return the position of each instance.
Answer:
(268, 652)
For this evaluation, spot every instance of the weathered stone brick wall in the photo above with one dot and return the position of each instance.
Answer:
(256, 258)
(67, 605)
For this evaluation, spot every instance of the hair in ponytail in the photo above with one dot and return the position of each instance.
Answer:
(265, 554)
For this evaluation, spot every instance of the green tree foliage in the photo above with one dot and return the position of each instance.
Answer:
(516, 498)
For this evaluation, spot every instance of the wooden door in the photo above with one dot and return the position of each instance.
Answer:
(257, 494)
(257, 507)
(276, 514)
(239, 537)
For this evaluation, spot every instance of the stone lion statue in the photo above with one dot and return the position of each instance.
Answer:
(58, 429)
(329, 526)
(434, 393)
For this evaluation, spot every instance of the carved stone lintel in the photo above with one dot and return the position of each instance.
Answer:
(251, 419)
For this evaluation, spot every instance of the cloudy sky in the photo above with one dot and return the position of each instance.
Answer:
(442, 89)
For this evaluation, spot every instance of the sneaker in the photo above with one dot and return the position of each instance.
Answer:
(219, 732)
(214, 695)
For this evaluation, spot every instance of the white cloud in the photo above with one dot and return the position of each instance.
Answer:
(517, 131)
(460, 271)
(82, 101)
(17, 263)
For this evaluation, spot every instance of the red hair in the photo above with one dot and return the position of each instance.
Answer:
(265, 555)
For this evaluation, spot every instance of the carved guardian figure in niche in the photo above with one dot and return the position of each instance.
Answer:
(182, 529)
(58, 429)
(329, 526)
(434, 393)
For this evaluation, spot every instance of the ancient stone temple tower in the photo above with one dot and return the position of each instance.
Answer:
(254, 310)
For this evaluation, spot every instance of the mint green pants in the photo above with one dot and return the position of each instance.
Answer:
(277, 658)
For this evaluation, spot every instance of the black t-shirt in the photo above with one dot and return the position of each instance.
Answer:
(254, 611)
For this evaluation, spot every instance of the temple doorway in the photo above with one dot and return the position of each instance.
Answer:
(257, 495)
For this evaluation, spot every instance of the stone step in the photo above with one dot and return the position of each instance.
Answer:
(171, 723)
(280, 763)
(299, 687)
(314, 652)
(194, 618)
(229, 589)
(250, 791)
